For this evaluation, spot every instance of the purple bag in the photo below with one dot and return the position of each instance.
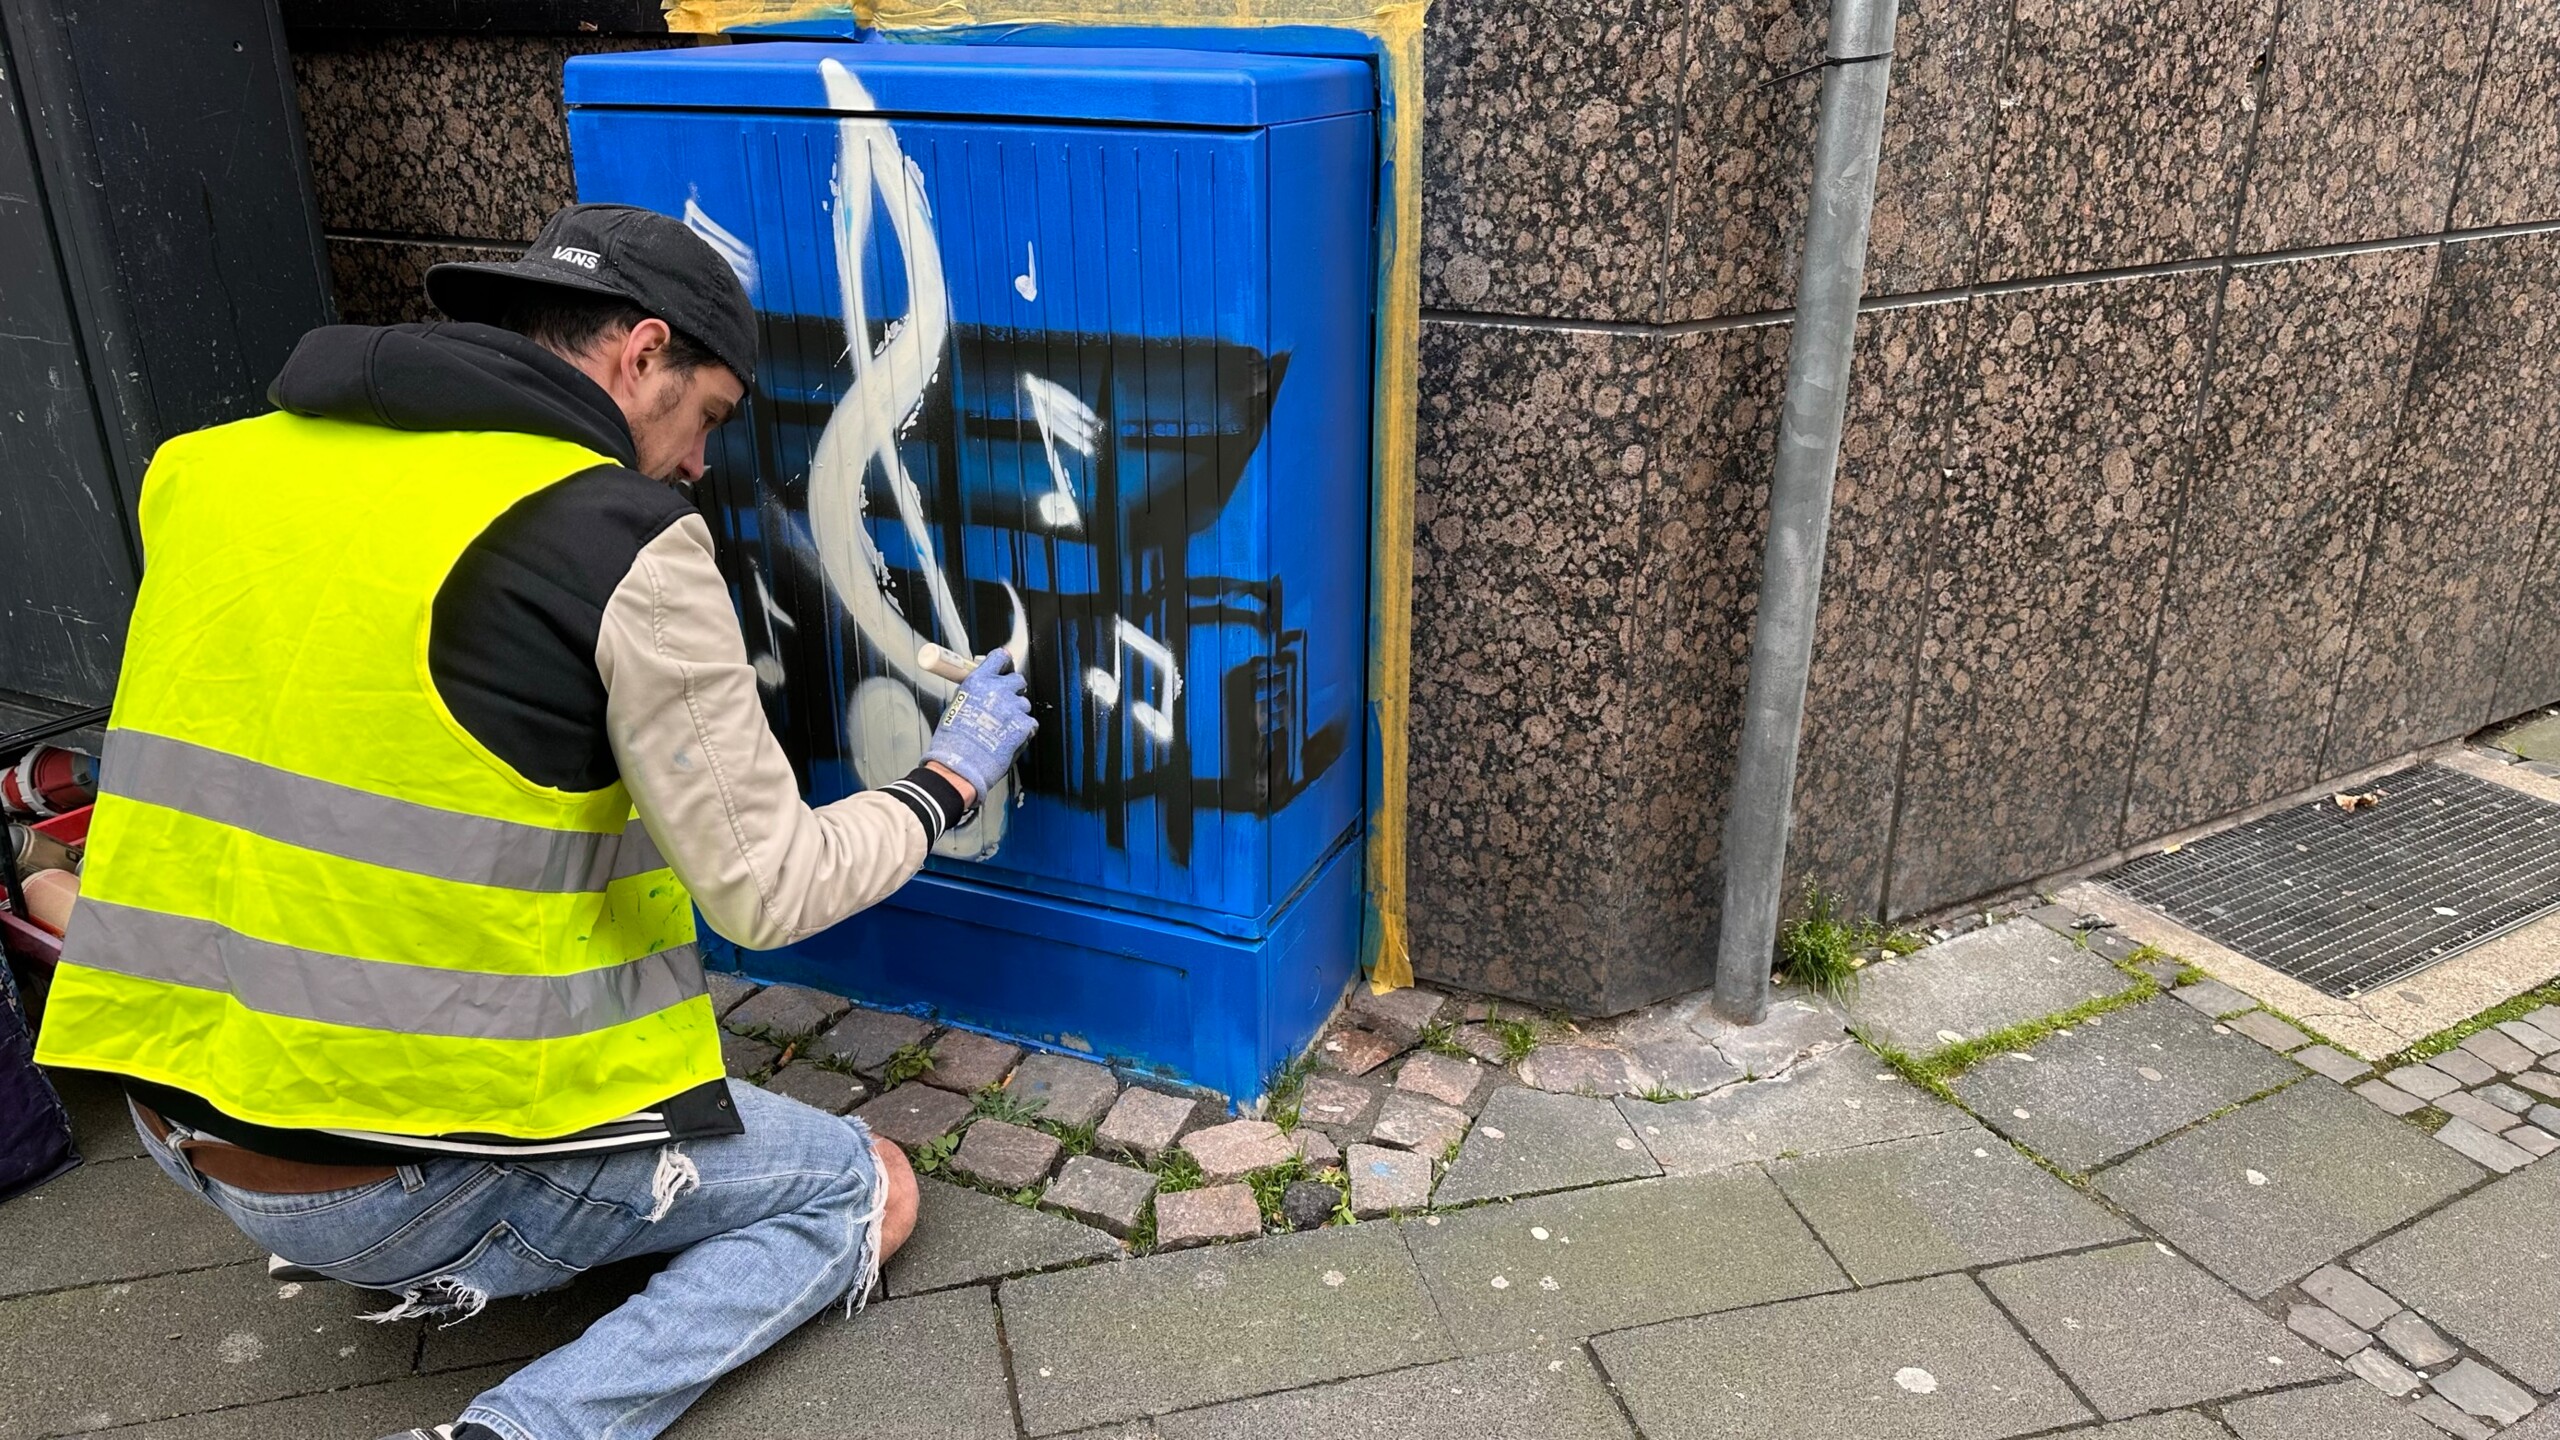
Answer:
(35, 1131)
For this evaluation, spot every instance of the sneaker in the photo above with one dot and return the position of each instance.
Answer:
(279, 1268)
(441, 1432)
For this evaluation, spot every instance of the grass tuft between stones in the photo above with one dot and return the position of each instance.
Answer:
(2547, 993)
(1823, 949)
(1932, 1072)
(997, 1103)
(1280, 1097)
(1272, 1181)
(1176, 1171)
(1519, 1037)
(1440, 1038)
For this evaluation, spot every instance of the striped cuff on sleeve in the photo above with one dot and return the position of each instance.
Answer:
(935, 801)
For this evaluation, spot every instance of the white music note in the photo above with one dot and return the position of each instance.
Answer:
(1105, 686)
(1065, 419)
(1027, 284)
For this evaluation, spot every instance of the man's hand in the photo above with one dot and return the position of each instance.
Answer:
(968, 792)
(983, 727)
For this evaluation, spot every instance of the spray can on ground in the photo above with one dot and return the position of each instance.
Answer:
(35, 850)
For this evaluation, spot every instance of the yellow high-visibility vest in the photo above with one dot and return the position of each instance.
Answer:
(311, 897)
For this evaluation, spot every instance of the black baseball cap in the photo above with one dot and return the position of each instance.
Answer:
(649, 259)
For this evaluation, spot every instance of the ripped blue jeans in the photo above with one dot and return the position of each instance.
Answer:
(767, 1228)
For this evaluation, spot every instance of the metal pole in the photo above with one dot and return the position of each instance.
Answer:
(1845, 141)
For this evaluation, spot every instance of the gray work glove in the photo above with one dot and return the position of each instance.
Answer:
(985, 725)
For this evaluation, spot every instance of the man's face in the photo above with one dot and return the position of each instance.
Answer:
(671, 411)
(677, 412)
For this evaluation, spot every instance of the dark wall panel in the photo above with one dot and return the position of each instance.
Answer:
(66, 571)
(2310, 363)
(162, 259)
(2069, 447)
(2448, 577)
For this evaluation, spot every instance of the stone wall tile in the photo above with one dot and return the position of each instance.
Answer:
(1532, 460)
(2529, 677)
(2069, 440)
(382, 282)
(1910, 364)
(1706, 513)
(2362, 128)
(2512, 175)
(2311, 359)
(2120, 133)
(1547, 156)
(2446, 592)
(1746, 151)
(440, 135)
(1722, 393)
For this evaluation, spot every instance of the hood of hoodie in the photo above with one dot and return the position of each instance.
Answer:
(449, 377)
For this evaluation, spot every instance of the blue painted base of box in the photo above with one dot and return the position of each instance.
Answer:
(1147, 995)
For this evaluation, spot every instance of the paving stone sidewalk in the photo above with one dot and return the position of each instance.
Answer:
(2168, 1220)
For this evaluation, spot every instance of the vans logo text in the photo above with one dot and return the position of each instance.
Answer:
(583, 259)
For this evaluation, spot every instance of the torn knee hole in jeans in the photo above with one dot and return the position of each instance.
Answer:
(869, 1224)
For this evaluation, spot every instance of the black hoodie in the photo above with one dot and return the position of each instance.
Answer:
(512, 650)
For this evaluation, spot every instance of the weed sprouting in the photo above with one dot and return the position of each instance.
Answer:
(1287, 1083)
(910, 1062)
(933, 1157)
(1933, 1072)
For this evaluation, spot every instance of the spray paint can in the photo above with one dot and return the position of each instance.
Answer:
(35, 850)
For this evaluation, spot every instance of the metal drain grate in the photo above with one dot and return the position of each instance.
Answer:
(2348, 902)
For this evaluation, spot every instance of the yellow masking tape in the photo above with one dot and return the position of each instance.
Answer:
(1397, 26)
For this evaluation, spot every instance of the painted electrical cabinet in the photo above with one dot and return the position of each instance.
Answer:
(1079, 341)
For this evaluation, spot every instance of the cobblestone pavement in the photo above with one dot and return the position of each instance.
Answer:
(2032, 1180)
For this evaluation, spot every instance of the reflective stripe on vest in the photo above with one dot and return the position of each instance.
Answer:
(378, 829)
(342, 990)
(312, 897)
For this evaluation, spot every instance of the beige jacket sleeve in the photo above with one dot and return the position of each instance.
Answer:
(708, 777)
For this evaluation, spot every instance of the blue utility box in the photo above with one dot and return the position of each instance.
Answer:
(1078, 340)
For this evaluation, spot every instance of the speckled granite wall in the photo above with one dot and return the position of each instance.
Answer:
(2140, 518)
(2145, 513)
(421, 144)
(2459, 624)
(2291, 453)
(1540, 456)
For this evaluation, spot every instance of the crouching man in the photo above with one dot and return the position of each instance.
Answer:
(435, 724)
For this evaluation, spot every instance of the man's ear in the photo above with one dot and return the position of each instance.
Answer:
(644, 346)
